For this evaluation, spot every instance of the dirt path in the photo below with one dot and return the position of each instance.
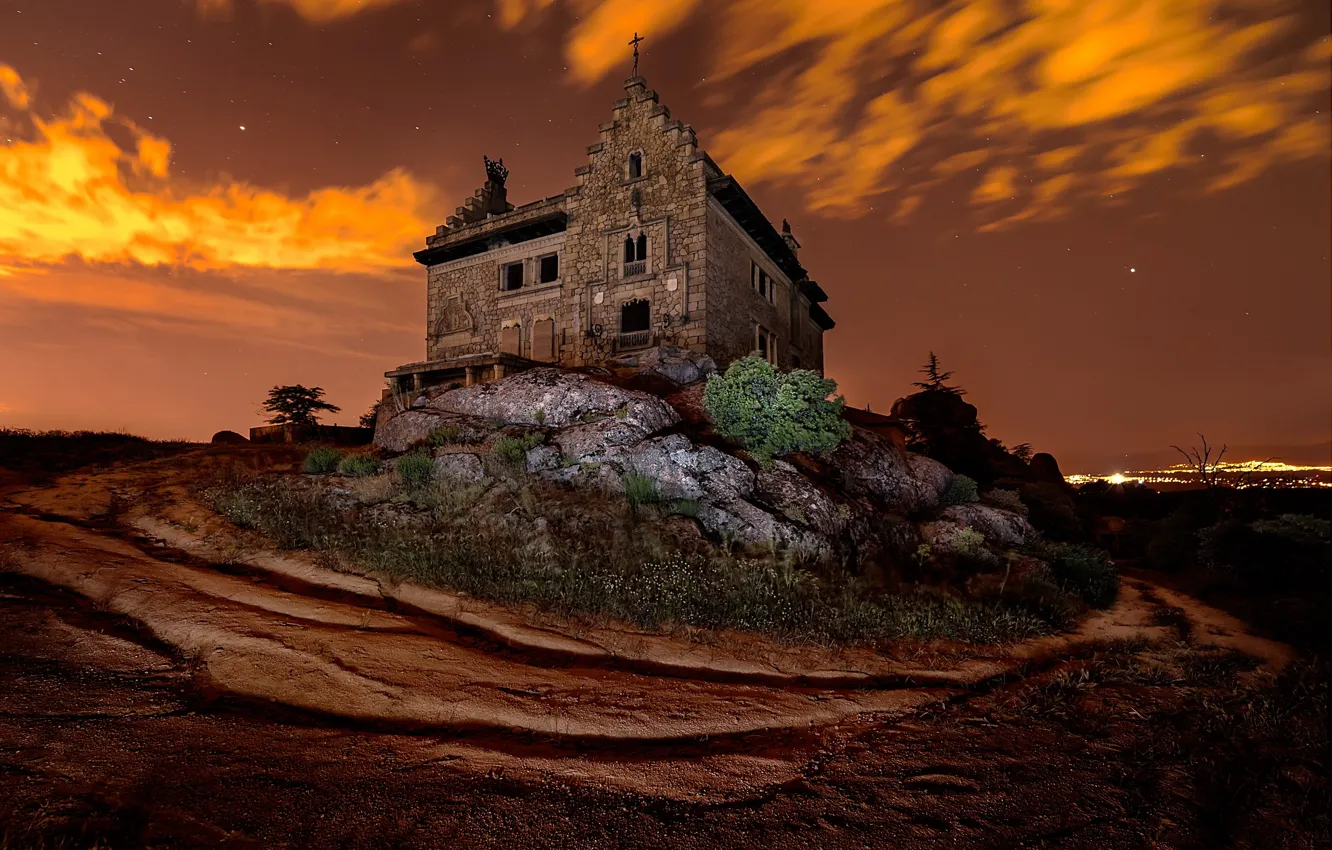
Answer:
(150, 672)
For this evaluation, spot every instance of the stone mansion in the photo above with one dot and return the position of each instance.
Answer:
(655, 245)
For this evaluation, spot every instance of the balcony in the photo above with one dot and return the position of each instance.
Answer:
(634, 269)
(633, 339)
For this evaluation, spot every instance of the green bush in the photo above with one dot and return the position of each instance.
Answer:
(770, 414)
(968, 541)
(513, 450)
(1084, 570)
(641, 489)
(415, 469)
(358, 466)
(442, 436)
(322, 460)
(961, 491)
(1009, 500)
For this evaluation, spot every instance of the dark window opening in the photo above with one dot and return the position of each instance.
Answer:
(513, 277)
(635, 316)
(550, 268)
(642, 247)
(628, 249)
(635, 165)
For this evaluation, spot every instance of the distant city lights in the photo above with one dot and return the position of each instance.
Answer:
(1239, 475)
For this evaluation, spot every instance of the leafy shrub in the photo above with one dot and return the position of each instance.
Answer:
(358, 465)
(322, 460)
(513, 450)
(1084, 570)
(1291, 550)
(770, 413)
(641, 489)
(415, 469)
(441, 436)
(962, 490)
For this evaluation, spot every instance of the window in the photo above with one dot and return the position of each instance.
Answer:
(511, 277)
(635, 254)
(635, 324)
(765, 344)
(764, 285)
(635, 166)
(550, 268)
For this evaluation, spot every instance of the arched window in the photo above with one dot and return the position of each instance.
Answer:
(635, 165)
(628, 249)
(635, 316)
(641, 247)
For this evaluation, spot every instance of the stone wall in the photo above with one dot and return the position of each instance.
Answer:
(468, 310)
(671, 194)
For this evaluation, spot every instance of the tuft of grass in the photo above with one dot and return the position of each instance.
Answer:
(442, 436)
(685, 507)
(1084, 570)
(641, 489)
(512, 451)
(358, 465)
(415, 470)
(322, 460)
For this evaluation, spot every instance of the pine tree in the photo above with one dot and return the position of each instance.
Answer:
(297, 405)
(935, 378)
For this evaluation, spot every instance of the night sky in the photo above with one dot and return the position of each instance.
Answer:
(1110, 218)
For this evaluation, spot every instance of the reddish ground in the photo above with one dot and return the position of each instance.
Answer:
(155, 696)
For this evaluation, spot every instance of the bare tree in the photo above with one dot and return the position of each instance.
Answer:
(1201, 462)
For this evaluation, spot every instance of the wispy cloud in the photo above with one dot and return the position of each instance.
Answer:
(1060, 96)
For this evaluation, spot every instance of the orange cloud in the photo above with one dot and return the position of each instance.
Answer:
(71, 191)
(1136, 80)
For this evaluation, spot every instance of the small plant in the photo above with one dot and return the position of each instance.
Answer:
(771, 414)
(923, 554)
(541, 416)
(961, 491)
(358, 465)
(622, 412)
(968, 542)
(415, 470)
(442, 436)
(513, 450)
(322, 460)
(641, 489)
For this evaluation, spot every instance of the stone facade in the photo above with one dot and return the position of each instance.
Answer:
(655, 245)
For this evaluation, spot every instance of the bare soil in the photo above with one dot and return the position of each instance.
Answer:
(168, 685)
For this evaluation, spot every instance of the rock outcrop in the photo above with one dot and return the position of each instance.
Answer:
(864, 498)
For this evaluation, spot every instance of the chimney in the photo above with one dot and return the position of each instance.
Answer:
(789, 239)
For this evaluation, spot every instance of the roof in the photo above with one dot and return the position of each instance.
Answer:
(742, 208)
(519, 231)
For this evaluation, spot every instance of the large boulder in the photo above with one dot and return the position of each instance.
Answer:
(225, 438)
(460, 467)
(400, 432)
(1000, 527)
(795, 497)
(554, 398)
(678, 365)
(903, 483)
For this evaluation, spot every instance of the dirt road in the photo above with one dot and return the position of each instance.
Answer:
(159, 694)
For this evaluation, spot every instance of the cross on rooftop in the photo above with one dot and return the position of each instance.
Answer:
(637, 38)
